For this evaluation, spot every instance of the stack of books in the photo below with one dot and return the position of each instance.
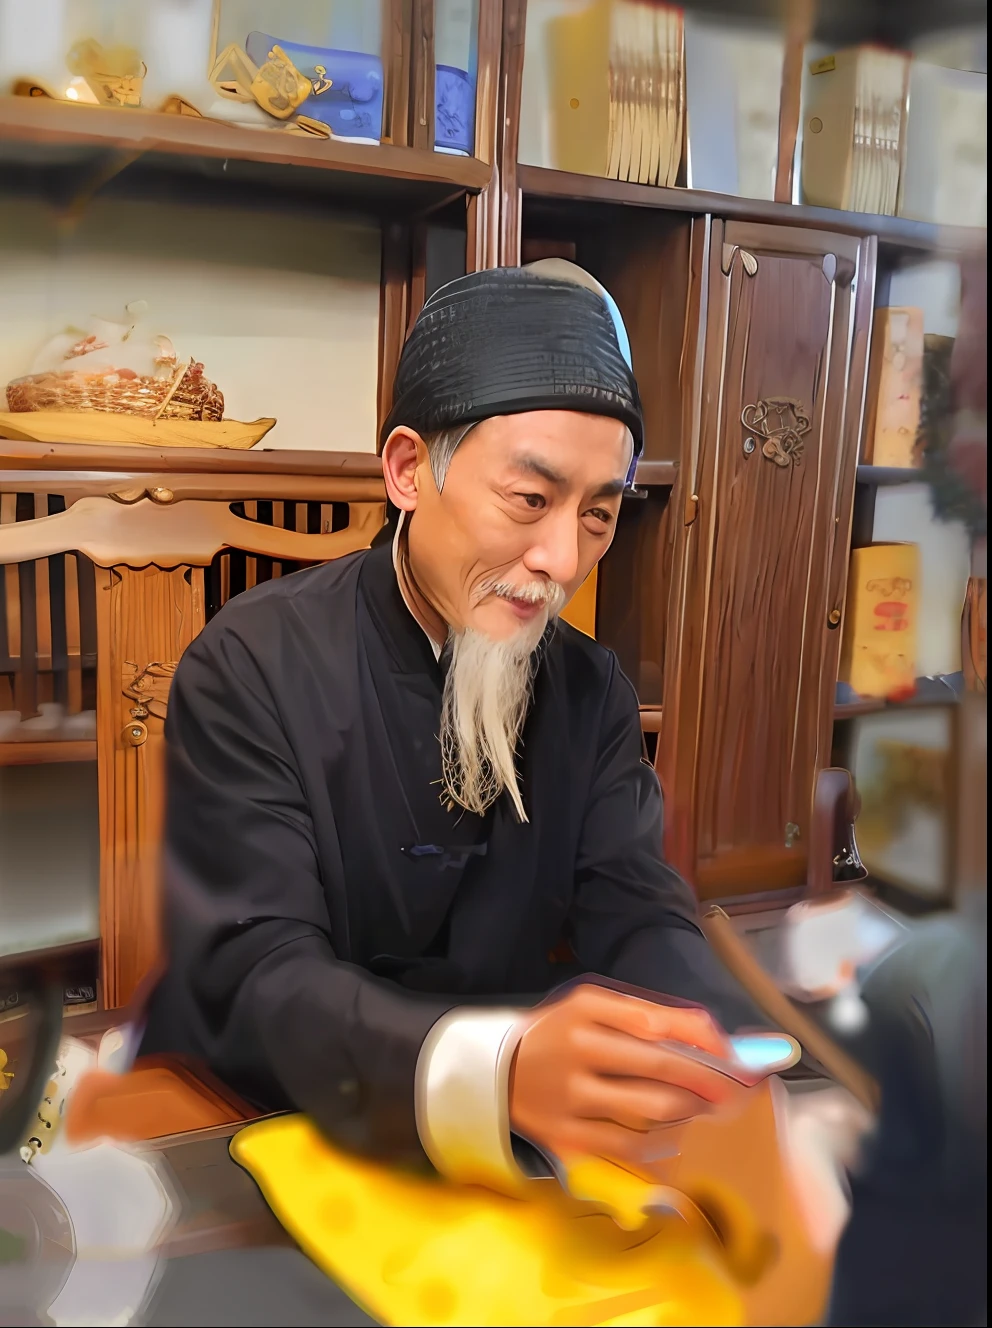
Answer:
(854, 130)
(647, 92)
(616, 90)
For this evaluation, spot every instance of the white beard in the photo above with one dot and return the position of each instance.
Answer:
(487, 693)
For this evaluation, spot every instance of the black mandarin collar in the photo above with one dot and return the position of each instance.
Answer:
(408, 644)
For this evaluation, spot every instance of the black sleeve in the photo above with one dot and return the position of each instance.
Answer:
(634, 919)
(255, 986)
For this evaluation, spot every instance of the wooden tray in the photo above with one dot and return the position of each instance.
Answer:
(98, 427)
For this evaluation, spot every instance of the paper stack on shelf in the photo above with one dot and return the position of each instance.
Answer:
(576, 63)
(894, 389)
(878, 652)
(647, 92)
(616, 81)
(854, 121)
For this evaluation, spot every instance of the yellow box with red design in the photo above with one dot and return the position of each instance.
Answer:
(878, 656)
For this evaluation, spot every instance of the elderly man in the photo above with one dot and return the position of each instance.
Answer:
(397, 784)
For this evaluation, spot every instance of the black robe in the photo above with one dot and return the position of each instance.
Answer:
(323, 909)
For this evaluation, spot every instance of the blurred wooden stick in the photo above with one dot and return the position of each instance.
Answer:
(783, 1013)
(800, 16)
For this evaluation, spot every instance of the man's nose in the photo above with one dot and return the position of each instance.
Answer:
(555, 550)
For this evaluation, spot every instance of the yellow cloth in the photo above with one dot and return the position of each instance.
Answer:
(419, 1251)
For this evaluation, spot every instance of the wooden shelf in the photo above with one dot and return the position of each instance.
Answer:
(656, 474)
(47, 753)
(38, 134)
(122, 462)
(72, 962)
(886, 476)
(541, 183)
(125, 461)
(870, 705)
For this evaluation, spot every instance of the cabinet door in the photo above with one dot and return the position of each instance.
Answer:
(761, 550)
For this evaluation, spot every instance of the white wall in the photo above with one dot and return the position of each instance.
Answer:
(281, 306)
(933, 287)
(50, 863)
(733, 80)
(535, 124)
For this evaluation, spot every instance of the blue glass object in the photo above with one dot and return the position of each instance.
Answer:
(759, 1051)
(352, 106)
(454, 110)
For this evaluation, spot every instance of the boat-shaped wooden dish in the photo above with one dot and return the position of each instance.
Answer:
(103, 427)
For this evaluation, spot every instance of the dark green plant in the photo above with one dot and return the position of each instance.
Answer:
(951, 497)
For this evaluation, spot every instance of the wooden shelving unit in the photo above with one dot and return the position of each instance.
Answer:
(39, 136)
(888, 476)
(123, 463)
(541, 184)
(877, 705)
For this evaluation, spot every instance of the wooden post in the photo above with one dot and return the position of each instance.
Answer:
(800, 15)
(145, 620)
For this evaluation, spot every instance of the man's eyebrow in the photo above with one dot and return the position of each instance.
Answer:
(533, 466)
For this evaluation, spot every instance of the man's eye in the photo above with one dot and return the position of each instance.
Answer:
(534, 500)
(601, 515)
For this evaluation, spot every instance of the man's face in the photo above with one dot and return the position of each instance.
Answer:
(529, 504)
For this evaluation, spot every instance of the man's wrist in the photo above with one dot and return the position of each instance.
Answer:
(462, 1097)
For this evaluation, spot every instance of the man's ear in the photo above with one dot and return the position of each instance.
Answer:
(403, 454)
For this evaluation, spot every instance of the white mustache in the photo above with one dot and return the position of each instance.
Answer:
(532, 592)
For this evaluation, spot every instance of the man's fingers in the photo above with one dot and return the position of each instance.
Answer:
(651, 1021)
(602, 1138)
(636, 1104)
(617, 1054)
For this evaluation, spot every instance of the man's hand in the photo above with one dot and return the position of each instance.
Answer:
(589, 1079)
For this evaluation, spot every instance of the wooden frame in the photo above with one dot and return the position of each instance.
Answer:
(150, 534)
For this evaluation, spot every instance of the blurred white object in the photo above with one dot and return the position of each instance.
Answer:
(945, 176)
(848, 1013)
(48, 720)
(121, 1206)
(733, 76)
(44, 1132)
(80, 727)
(118, 1048)
(821, 1132)
(826, 941)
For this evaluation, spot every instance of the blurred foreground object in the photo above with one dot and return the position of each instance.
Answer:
(29, 1039)
(914, 1251)
(954, 426)
(717, 1234)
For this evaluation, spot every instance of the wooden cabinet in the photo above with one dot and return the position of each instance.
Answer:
(760, 527)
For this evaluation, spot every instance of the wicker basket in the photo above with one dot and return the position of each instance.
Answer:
(195, 398)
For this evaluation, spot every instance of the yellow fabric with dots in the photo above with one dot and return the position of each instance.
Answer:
(419, 1251)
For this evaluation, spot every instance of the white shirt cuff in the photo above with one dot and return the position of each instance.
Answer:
(462, 1097)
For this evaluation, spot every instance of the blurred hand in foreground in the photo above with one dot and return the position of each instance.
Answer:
(591, 1080)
